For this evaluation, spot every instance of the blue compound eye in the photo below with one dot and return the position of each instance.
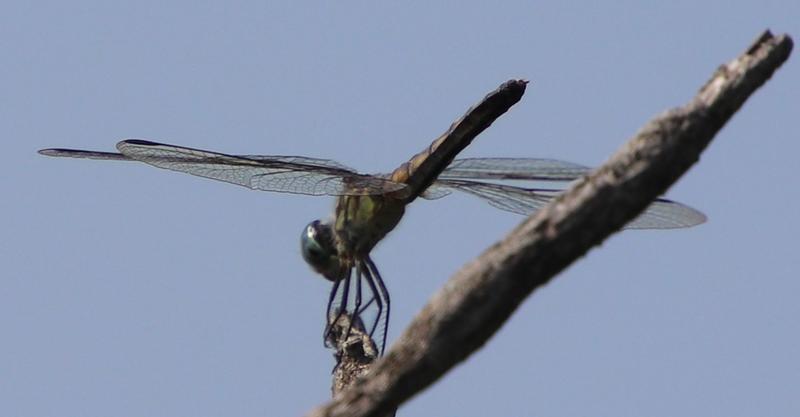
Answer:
(318, 249)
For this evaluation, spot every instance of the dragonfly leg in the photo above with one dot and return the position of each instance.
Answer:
(366, 306)
(339, 312)
(376, 298)
(329, 310)
(382, 293)
(356, 305)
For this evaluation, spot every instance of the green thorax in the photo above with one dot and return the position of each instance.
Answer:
(363, 220)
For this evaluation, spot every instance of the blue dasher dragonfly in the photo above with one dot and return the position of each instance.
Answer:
(368, 207)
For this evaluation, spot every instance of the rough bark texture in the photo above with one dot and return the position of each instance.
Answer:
(355, 353)
(475, 302)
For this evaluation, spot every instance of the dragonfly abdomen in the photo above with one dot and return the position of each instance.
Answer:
(423, 168)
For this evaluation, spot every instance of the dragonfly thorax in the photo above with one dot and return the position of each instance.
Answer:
(318, 247)
(361, 221)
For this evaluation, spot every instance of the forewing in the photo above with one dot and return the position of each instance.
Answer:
(530, 169)
(436, 191)
(303, 160)
(525, 169)
(290, 174)
(80, 153)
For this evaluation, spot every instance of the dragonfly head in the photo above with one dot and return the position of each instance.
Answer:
(319, 250)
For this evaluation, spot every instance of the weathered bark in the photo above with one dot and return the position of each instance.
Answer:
(355, 353)
(475, 302)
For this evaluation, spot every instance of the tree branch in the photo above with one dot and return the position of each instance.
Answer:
(475, 302)
(355, 352)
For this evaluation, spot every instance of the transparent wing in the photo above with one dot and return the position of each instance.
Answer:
(505, 197)
(661, 214)
(532, 169)
(80, 153)
(667, 214)
(525, 169)
(304, 160)
(288, 174)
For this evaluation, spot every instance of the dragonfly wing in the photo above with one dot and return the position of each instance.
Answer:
(78, 153)
(667, 214)
(289, 174)
(436, 191)
(304, 160)
(505, 197)
(661, 214)
(531, 169)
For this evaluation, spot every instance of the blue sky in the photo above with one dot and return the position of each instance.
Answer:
(131, 291)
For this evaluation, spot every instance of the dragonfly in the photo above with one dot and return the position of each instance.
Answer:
(368, 207)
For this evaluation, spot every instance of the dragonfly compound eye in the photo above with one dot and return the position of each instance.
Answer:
(318, 249)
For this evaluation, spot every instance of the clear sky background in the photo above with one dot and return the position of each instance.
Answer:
(132, 291)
